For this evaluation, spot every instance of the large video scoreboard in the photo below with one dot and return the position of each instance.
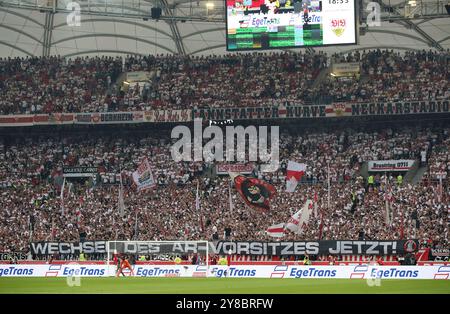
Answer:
(270, 24)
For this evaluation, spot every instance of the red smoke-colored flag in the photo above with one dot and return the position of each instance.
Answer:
(255, 192)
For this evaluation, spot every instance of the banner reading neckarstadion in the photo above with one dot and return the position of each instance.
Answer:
(282, 248)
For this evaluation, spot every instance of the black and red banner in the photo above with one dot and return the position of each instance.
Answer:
(255, 192)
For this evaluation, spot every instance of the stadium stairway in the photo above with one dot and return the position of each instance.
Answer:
(364, 171)
(323, 73)
(409, 176)
(419, 174)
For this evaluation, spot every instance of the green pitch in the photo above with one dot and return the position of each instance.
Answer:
(220, 285)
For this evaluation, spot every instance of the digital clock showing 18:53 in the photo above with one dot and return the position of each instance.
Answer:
(338, 1)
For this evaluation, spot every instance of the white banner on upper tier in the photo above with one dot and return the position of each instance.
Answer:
(238, 271)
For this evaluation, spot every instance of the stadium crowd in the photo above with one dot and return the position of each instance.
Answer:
(54, 84)
(31, 181)
(388, 75)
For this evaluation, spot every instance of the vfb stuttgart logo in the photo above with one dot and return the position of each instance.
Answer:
(338, 26)
(443, 272)
(279, 271)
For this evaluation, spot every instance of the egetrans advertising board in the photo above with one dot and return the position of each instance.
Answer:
(267, 24)
(238, 271)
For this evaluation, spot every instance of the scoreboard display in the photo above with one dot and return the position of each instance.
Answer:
(272, 24)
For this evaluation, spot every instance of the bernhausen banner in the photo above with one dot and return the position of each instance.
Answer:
(390, 165)
(333, 247)
(280, 111)
(108, 118)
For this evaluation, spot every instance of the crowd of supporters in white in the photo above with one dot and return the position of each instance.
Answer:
(55, 84)
(31, 167)
(31, 179)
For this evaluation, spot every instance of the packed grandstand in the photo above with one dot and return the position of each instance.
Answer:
(90, 84)
(347, 204)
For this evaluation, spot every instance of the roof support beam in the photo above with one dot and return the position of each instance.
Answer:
(382, 31)
(115, 36)
(15, 47)
(207, 48)
(25, 17)
(102, 51)
(203, 31)
(128, 22)
(377, 47)
(444, 39)
(174, 28)
(20, 32)
(48, 30)
(413, 26)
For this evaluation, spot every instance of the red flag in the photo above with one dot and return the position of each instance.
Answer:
(255, 192)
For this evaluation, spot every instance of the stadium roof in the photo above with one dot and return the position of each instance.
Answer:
(111, 27)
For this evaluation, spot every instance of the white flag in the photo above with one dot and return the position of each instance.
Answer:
(294, 173)
(276, 231)
(197, 200)
(121, 202)
(300, 218)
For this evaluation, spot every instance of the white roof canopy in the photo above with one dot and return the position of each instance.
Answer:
(187, 27)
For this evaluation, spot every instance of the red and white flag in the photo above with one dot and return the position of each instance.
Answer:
(276, 231)
(294, 173)
(300, 219)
